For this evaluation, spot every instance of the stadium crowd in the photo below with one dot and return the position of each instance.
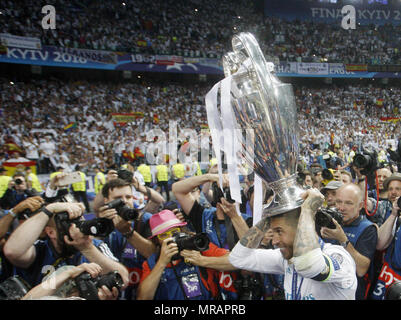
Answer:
(77, 117)
(68, 126)
(185, 28)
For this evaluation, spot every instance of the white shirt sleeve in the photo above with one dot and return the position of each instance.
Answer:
(257, 260)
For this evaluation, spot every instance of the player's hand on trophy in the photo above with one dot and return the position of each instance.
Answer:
(313, 199)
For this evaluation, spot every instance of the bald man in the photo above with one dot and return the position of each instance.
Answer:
(358, 235)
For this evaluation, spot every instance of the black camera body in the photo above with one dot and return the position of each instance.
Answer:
(248, 287)
(88, 286)
(98, 227)
(14, 288)
(123, 210)
(199, 242)
(125, 175)
(324, 217)
(393, 292)
(217, 194)
(327, 175)
(367, 161)
(18, 181)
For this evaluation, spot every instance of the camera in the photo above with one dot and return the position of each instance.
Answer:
(123, 210)
(327, 174)
(98, 227)
(217, 194)
(393, 292)
(88, 286)
(18, 181)
(125, 175)
(248, 287)
(13, 288)
(367, 161)
(324, 217)
(184, 241)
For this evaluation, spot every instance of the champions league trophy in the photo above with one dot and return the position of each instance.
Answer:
(262, 103)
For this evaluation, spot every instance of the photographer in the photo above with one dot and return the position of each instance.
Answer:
(21, 211)
(32, 258)
(16, 192)
(389, 242)
(56, 283)
(166, 275)
(391, 186)
(220, 222)
(153, 198)
(10, 222)
(358, 235)
(126, 241)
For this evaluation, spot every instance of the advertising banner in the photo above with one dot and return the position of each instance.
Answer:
(9, 40)
(313, 68)
(329, 11)
(107, 60)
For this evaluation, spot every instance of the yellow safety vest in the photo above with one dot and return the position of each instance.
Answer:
(198, 169)
(35, 182)
(54, 174)
(162, 172)
(145, 171)
(4, 180)
(80, 186)
(179, 170)
(100, 180)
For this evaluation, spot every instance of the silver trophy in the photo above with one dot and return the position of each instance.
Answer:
(261, 102)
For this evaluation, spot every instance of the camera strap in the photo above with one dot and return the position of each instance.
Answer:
(218, 230)
(232, 237)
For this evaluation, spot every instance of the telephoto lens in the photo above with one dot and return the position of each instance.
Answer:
(98, 227)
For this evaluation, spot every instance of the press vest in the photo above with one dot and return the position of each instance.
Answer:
(145, 171)
(54, 174)
(169, 287)
(179, 170)
(198, 169)
(100, 180)
(4, 180)
(353, 232)
(162, 172)
(80, 186)
(35, 182)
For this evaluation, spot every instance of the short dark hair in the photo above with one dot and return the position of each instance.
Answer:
(291, 217)
(112, 184)
(18, 174)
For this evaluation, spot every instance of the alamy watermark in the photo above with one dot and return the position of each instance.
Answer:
(49, 20)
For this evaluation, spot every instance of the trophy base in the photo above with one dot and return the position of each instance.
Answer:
(287, 197)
